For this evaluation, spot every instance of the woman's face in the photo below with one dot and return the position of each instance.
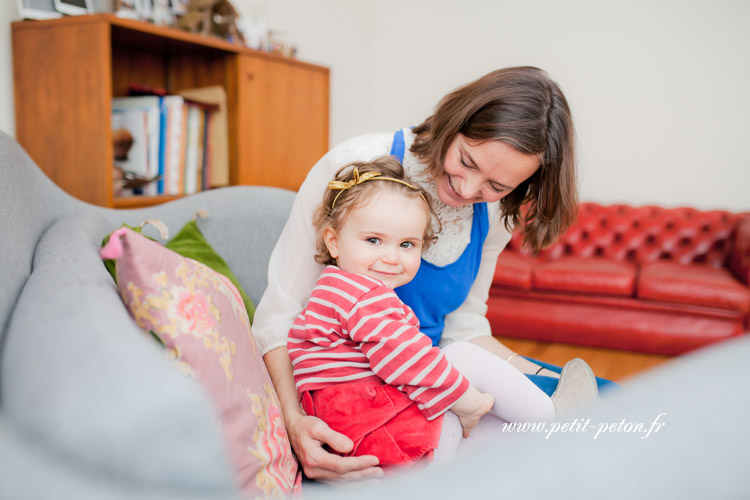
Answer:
(475, 171)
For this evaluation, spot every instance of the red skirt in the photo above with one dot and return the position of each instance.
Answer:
(380, 419)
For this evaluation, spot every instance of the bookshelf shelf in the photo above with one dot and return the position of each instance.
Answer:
(68, 70)
(143, 201)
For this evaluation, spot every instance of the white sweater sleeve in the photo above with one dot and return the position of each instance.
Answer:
(292, 270)
(469, 320)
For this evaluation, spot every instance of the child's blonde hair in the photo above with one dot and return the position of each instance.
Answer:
(338, 203)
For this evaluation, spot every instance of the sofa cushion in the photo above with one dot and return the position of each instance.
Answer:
(694, 284)
(585, 275)
(190, 242)
(199, 316)
(513, 270)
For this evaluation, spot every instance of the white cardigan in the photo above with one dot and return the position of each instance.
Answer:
(292, 271)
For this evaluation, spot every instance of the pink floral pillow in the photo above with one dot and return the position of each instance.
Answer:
(199, 316)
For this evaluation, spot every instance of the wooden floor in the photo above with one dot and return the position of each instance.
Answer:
(607, 363)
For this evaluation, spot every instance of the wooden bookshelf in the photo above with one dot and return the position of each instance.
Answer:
(66, 72)
(143, 201)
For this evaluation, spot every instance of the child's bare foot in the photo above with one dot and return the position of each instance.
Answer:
(471, 407)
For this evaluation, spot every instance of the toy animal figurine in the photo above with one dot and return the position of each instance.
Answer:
(224, 22)
(122, 141)
(212, 17)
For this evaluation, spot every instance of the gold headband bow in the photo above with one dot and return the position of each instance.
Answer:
(359, 179)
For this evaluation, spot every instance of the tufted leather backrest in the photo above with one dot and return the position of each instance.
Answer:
(645, 234)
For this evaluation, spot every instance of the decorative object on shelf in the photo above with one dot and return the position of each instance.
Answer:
(103, 6)
(162, 14)
(74, 7)
(37, 9)
(130, 183)
(126, 181)
(143, 10)
(212, 17)
(255, 32)
(126, 9)
(277, 45)
(122, 142)
(179, 7)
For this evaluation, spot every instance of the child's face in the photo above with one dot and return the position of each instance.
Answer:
(381, 239)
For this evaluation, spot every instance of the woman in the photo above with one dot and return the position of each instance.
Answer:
(496, 153)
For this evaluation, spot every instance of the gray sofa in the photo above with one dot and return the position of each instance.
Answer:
(90, 409)
(80, 386)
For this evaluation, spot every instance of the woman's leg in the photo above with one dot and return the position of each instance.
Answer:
(517, 399)
(549, 384)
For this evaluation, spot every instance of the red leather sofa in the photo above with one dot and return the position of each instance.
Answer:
(646, 279)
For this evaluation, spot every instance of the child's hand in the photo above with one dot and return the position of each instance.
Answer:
(471, 407)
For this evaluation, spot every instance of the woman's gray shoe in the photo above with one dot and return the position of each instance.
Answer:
(577, 388)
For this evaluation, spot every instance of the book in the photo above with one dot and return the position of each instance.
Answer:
(207, 149)
(192, 138)
(162, 145)
(151, 105)
(201, 160)
(218, 137)
(174, 148)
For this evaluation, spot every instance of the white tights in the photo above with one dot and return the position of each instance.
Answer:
(517, 399)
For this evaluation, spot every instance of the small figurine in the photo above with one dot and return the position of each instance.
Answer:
(122, 179)
(212, 17)
(126, 9)
(162, 15)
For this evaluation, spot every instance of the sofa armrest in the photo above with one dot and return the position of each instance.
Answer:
(739, 258)
(32, 470)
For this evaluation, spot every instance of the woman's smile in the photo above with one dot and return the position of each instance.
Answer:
(476, 171)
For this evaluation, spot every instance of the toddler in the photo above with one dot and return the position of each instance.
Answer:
(360, 362)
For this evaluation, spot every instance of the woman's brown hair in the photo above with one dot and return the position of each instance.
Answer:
(333, 215)
(525, 109)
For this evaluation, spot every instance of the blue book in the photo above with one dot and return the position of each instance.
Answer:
(162, 143)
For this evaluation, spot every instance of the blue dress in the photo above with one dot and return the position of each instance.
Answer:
(439, 290)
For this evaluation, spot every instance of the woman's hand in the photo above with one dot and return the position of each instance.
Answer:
(308, 436)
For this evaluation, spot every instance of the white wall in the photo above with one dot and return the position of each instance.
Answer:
(658, 88)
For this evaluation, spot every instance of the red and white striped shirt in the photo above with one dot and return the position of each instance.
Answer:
(356, 329)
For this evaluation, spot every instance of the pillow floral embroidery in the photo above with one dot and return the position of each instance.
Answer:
(199, 316)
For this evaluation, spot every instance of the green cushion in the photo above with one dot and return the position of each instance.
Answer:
(191, 243)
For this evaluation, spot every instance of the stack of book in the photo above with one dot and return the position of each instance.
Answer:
(172, 144)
